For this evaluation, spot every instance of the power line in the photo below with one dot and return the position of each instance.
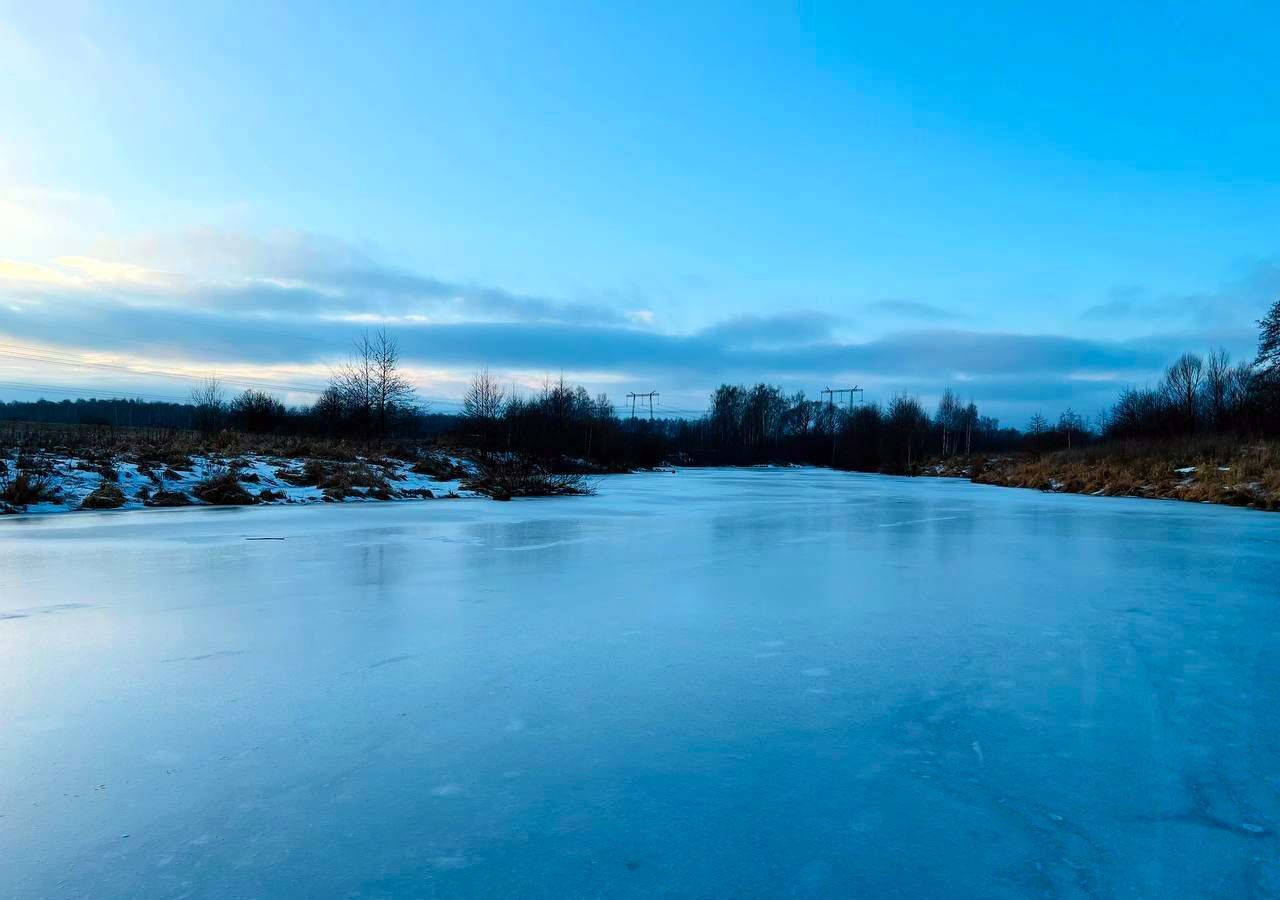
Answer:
(72, 360)
(85, 393)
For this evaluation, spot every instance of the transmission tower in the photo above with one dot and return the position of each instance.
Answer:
(649, 396)
(831, 405)
(833, 392)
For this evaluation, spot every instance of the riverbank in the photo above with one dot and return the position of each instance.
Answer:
(1204, 471)
(50, 481)
(238, 471)
(186, 469)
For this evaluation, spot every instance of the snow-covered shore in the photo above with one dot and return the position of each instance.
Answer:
(65, 481)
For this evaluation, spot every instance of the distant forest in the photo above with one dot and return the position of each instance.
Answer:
(369, 399)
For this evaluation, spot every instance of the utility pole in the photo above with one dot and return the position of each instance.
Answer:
(649, 396)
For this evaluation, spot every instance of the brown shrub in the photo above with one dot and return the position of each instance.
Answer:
(106, 495)
(508, 476)
(169, 498)
(224, 490)
(339, 480)
(18, 489)
(439, 467)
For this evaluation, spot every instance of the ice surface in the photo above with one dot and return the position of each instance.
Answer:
(706, 684)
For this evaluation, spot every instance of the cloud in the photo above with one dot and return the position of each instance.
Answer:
(292, 301)
(1225, 311)
(224, 325)
(97, 270)
(28, 274)
(290, 273)
(1126, 303)
(1007, 374)
(790, 328)
(912, 309)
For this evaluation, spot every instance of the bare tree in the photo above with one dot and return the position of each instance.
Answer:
(482, 403)
(947, 418)
(906, 427)
(256, 412)
(1239, 386)
(800, 413)
(1217, 386)
(1182, 384)
(393, 393)
(370, 383)
(970, 422)
(1071, 424)
(330, 409)
(353, 382)
(210, 401)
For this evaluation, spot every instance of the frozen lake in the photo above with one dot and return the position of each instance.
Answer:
(708, 684)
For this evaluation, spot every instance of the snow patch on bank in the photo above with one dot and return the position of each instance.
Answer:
(71, 479)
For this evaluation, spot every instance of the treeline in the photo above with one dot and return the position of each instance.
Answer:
(249, 414)
(368, 398)
(763, 424)
(1207, 395)
(569, 429)
(1201, 395)
(562, 425)
(101, 412)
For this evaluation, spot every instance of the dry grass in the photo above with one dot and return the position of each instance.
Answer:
(173, 448)
(438, 467)
(339, 479)
(339, 469)
(20, 487)
(503, 477)
(223, 489)
(107, 495)
(168, 498)
(1213, 471)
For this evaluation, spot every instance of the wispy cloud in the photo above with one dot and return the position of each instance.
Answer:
(1217, 312)
(287, 274)
(912, 309)
(784, 329)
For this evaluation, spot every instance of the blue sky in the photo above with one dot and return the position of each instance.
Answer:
(1033, 206)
